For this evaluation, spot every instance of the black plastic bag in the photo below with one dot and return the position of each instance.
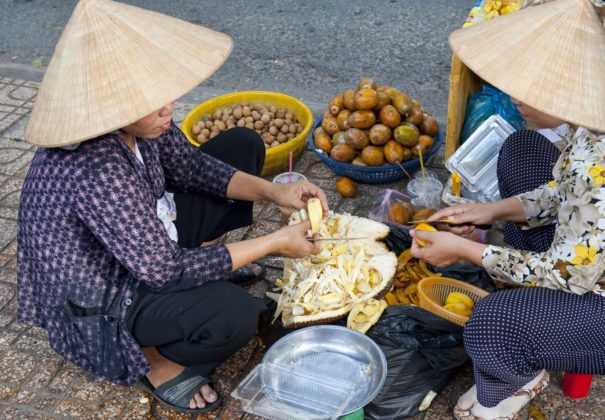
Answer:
(423, 352)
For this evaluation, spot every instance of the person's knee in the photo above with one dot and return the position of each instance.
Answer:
(250, 144)
(242, 311)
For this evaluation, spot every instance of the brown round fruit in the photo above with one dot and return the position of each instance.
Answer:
(429, 126)
(323, 142)
(406, 135)
(343, 120)
(407, 154)
(329, 124)
(346, 187)
(409, 210)
(426, 141)
(398, 214)
(356, 138)
(366, 99)
(393, 152)
(342, 153)
(362, 119)
(389, 116)
(372, 156)
(336, 104)
(383, 100)
(367, 83)
(416, 116)
(379, 134)
(338, 138)
(348, 97)
(403, 103)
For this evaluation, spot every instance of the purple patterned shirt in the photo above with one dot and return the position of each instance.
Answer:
(89, 234)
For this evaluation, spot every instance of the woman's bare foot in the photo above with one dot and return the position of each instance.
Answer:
(163, 370)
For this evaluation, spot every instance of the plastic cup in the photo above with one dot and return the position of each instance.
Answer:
(576, 386)
(285, 178)
(425, 190)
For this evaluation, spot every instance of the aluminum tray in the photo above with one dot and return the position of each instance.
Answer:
(333, 354)
(476, 160)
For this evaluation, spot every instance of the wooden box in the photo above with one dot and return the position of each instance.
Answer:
(463, 83)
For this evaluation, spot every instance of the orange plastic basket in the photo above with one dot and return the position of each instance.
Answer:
(432, 292)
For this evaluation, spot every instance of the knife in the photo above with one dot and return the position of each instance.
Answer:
(446, 222)
(334, 239)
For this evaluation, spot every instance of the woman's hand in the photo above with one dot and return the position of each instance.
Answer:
(295, 195)
(469, 214)
(445, 248)
(291, 241)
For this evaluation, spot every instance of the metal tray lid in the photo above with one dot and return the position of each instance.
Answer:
(476, 160)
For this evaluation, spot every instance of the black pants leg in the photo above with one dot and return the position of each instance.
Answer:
(202, 218)
(525, 162)
(199, 327)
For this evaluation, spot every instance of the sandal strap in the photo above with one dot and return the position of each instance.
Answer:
(180, 390)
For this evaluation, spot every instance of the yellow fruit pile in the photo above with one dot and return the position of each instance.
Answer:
(493, 8)
(365, 314)
(459, 303)
(409, 272)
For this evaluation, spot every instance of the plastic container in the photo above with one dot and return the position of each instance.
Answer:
(476, 160)
(432, 292)
(425, 190)
(285, 178)
(373, 174)
(276, 158)
(279, 393)
(576, 386)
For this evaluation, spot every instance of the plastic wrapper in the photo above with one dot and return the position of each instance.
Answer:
(485, 103)
(382, 204)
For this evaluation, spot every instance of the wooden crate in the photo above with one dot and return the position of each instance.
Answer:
(463, 83)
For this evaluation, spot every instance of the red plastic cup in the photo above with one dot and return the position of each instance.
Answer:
(576, 386)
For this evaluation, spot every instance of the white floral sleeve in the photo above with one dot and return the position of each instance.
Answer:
(575, 262)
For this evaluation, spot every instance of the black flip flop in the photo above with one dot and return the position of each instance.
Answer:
(244, 276)
(178, 392)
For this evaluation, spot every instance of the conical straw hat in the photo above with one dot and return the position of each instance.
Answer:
(551, 57)
(115, 64)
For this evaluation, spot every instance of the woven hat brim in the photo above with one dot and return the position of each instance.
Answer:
(115, 64)
(551, 57)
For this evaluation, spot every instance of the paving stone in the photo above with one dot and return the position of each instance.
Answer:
(136, 410)
(24, 93)
(15, 366)
(23, 110)
(94, 389)
(8, 231)
(12, 167)
(11, 199)
(75, 410)
(64, 379)
(10, 213)
(10, 154)
(47, 369)
(23, 397)
(34, 344)
(113, 405)
(3, 257)
(7, 292)
(6, 338)
(45, 403)
(17, 129)
(10, 249)
(5, 320)
(8, 120)
(6, 108)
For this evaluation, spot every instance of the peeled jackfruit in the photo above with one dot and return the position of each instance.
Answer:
(424, 226)
(458, 308)
(316, 213)
(454, 297)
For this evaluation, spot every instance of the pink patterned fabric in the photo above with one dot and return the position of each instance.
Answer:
(89, 234)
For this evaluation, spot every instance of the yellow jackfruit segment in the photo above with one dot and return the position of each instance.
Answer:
(316, 214)
(459, 308)
(457, 297)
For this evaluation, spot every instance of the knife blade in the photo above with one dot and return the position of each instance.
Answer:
(334, 239)
(446, 222)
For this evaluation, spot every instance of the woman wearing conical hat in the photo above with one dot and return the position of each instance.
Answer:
(551, 59)
(123, 291)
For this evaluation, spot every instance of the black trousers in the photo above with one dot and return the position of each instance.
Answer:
(202, 327)
(202, 218)
(525, 162)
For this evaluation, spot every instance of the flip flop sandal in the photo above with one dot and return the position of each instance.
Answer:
(178, 392)
(245, 276)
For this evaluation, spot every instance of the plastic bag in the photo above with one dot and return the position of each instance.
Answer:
(423, 352)
(485, 103)
(382, 204)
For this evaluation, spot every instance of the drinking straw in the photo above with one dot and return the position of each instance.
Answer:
(421, 162)
(403, 169)
(290, 168)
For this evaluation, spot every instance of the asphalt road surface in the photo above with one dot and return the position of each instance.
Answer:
(308, 49)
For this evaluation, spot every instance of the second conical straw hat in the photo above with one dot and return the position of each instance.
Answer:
(115, 64)
(551, 57)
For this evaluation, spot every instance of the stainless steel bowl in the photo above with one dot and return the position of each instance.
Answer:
(335, 355)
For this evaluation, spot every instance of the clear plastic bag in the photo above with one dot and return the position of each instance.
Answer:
(381, 210)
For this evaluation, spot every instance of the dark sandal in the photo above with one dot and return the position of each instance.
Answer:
(245, 276)
(178, 392)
